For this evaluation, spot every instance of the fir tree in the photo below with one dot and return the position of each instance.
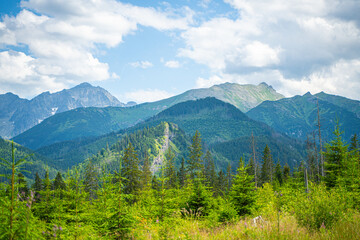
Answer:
(170, 171)
(209, 170)
(130, 171)
(221, 184)
(286, 172)
(267, 166)
(59, 182)
(228, 177)
(335, 158)
(195, 162)
(23, 187)
(90, 180)
(146, 173)
(182, 173)
(242, 191)
(278, 174)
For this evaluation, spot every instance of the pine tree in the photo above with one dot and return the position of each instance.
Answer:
(242, 192)
(195, 162)
(267, 166)
(335, 158)
(131, 171)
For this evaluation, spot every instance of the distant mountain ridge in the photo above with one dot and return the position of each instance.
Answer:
(297, 116)
(86, 122)
(18, 115)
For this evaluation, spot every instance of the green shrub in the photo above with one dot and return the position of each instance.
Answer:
(321, 208)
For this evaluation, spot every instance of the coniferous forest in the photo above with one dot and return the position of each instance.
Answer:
(120, 194)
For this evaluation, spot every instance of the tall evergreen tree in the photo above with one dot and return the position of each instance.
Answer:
(267, 166)
(286, 172)
(182, 173)
(278, 174)
(221, 184)
(195, 163)
(242, 191)
(59, 182)
(354, 148)
(170, 170)
(209, 170)
(23, 187)
(91, 180)
(335, 158)
(146, 174)
(131, 171)
(228, 177)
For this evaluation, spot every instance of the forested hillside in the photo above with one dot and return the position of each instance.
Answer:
(297, 117)
(116, 195)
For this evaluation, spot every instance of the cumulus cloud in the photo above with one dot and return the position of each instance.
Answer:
(62, 36)
(288, 44)
(147, 95)
(172, 64)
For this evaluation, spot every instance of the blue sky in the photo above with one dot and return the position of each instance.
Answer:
(149, 50)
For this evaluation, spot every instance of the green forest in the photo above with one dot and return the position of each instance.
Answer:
(115, 195)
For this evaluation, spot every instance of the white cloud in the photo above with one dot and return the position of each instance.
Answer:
(172, 64)
(63, 35)
(285, 43)
(141, 64)
(147, 95)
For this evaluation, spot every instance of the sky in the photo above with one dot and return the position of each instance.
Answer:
(142, 50)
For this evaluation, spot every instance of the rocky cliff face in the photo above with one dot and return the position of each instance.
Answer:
(18, 115)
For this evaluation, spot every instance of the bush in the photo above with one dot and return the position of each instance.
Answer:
(321, 208)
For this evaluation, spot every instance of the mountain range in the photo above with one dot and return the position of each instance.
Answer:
(18, 115)
(226, 115)
(86, 122)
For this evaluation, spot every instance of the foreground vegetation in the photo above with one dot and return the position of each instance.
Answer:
(193, 201)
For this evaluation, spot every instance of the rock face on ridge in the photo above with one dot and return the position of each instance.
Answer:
(18, 115)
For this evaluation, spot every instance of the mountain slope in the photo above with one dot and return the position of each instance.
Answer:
(153, 142)
(39, 163)
(297, 116)
(87, 122)
(19, 115)
(227, 130)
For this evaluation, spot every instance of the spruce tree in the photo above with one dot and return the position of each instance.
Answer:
(23, 187)
(170, 171)
(335, 158)
(146, 174)
(209, 170)
(195, 164)
(267, 166)
(131, 171)
(278, 174)
(242, 191)
(182, 173)
(59, 182)
(90, 180)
